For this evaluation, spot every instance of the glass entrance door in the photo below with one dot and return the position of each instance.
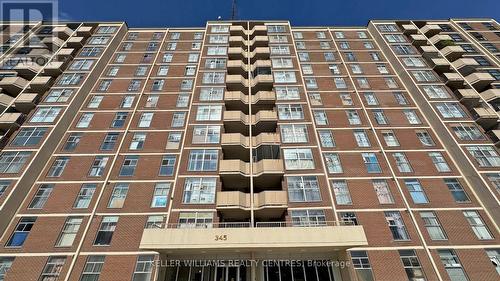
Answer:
(230, 273)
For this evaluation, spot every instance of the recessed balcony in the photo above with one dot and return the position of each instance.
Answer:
(27, 69)
(418, 39)
(75, 42)
(255, 31)
(182, 239)
(409, 29)
(41, 84)
(260, 53)
(430, 29)
(441, 40)
(5, 101)
(13, 85)
(266, 172)
(54, 68)
(440, 64)
(453, 80)
(479, 80)
(84, 30)
(495, 137)
(491, 95)
(65, 53)
(267, 204)
(62, 32)
(25, 102)
(468, 97)
(238, 122)
(53, 42)
(465, 65)
(452, 52)
(11, 119)
(236, 145)
(486, 117)
(429, 52)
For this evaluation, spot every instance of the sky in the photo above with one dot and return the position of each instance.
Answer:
(195, 13)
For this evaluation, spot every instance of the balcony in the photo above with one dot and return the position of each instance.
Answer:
(491, 95)
(259, 83)
(430, 29)
(240, 67)
(453, 80)
(429, 52)
(418, 39)
(62, 32)
(260, 53)
(468, 97)
(479, 80)
(495, 137)
(65, 53)
(236, 145)
(53, 42)
(84, 31)
(75, 42)
(27, 69)
(465, 65)
(452, 52)
(440, 65)
(441, 40)
(238, 122)
(5, 101)
(261, 241)
(236, 173)
(236, 100)
(13, 85)
(486, 117)
(9, 120)
(409, 29)
(240, 30)
(25, 102)
(54, 68)
(268, 204)
(41, 84)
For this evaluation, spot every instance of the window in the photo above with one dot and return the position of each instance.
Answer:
(333, 163)
(348, 218)
(5, 265)
(157, 85)
(145, 120)
(452, 265)
(303, 56)
(371, 162)
(456, 190)
(85, 120)
(134, 86)
(303, 189)
(203, 160)
(92, 268)
(173, 140)
(71, 79)
(416, 192)
(59, 95)
(294, 133)
(109, 141)
(282, 63)
(106, 230)
(195, 220)
(98, 166)
(320, 117)
(69, 231)
(211, 94)
(402, 163)
(95, 101)
(396, 225)
(193, 57)
(425, 138)
(361, 265)
(160, 195)
(413, 62)
(439, 162)
(298, 158)
(311, 83)
(213, 77)
(58, 166)
(315, 99)
(424, 76)
(395, 38)
(29, 136)
(308, 218)
(390, 138)
(290, 112)
(306, 69)
(129, 165)
(493, 254)
(41, 196)
(363, 83)
(127, 102)
(370, 98)
(477, 225)
(45, 115)
(411, 116)
(215, 63)
(326, 139)
(411, 265)
(329, 56)
(52, 269)
(334, 69)
(284, 77)
(167, 165)
(450, 110)
(118, 195)
(209, 113)
(353, 117)
(162, 70)
(152, 101)
(361, 138)
(216, 50)
(346, 98)
(199, 191)
(21, 232)
(4, 184)
(379, 116)
(280, 50)
(85, 196)
(342, 195)
(340, 83)
(431, 223)
(144, 268)
(206, 134)
(383, 192)
(400, 98)
(486, 156)
(287, 93)
(178, 119)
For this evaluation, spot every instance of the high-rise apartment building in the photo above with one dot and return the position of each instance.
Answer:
(250, 151)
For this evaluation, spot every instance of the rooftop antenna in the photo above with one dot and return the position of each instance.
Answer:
(233, 10)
